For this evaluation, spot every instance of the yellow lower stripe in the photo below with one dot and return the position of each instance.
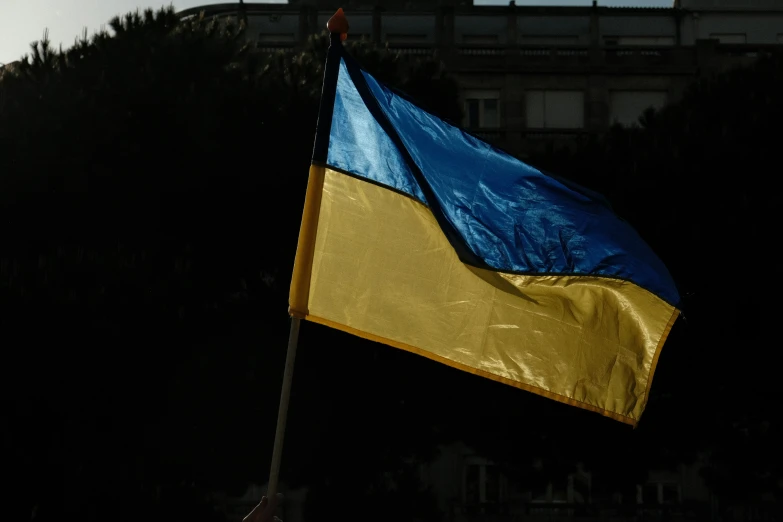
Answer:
(475, 371)
(383, 270)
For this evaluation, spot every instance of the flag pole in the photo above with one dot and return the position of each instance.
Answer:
(300, 284)
(282, 412)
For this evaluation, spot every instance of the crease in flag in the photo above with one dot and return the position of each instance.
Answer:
(421, 236)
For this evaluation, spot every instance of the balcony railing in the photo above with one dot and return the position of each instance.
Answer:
(548, 134)
(750, 50)
(561, 57)
(650, 56)
(494, 136)
(553, 53)
(481, 51)
(274, 48)
(423, 50)
(582, 58)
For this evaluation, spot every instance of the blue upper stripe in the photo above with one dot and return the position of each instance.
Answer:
(359, 145)
(510, 215)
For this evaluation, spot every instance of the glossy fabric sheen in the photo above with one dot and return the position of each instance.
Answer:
(508, 214)
(358, 144)
(383, 269)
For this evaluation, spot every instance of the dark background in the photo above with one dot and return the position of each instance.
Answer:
(151, 188)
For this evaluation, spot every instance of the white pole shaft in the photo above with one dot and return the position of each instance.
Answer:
(282, 412)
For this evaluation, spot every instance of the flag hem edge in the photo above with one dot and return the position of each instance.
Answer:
(481, 373)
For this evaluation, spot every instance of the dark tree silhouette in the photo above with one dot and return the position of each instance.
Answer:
(151, 186)
(696, 178)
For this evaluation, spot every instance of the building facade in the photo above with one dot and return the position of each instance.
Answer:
(533, 77)
(470, 488)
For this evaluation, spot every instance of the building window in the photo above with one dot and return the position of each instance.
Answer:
(482, 109)
(670, 493)
(406, 38)
(780, 38)
(560, 490)
(541, 492)
(729, 38)
(484, 484)
(660, 493)
(580, 487)
(626, 107)
(639, 41)
(491, 484)
(480, 39)
(473, 485)
(555, 109)
(650, 494)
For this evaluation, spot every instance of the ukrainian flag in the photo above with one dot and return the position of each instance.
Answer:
(420, 236)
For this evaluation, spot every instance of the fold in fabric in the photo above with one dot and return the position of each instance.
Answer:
(507, 215)
(421, 236)
(383, 270)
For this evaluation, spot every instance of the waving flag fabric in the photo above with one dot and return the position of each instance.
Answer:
(421, 236)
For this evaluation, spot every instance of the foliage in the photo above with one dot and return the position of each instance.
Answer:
(694, 178)
(151, 186)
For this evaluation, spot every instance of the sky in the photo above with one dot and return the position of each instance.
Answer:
(24, 21)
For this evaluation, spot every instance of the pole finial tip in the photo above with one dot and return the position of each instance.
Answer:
(338, 24)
